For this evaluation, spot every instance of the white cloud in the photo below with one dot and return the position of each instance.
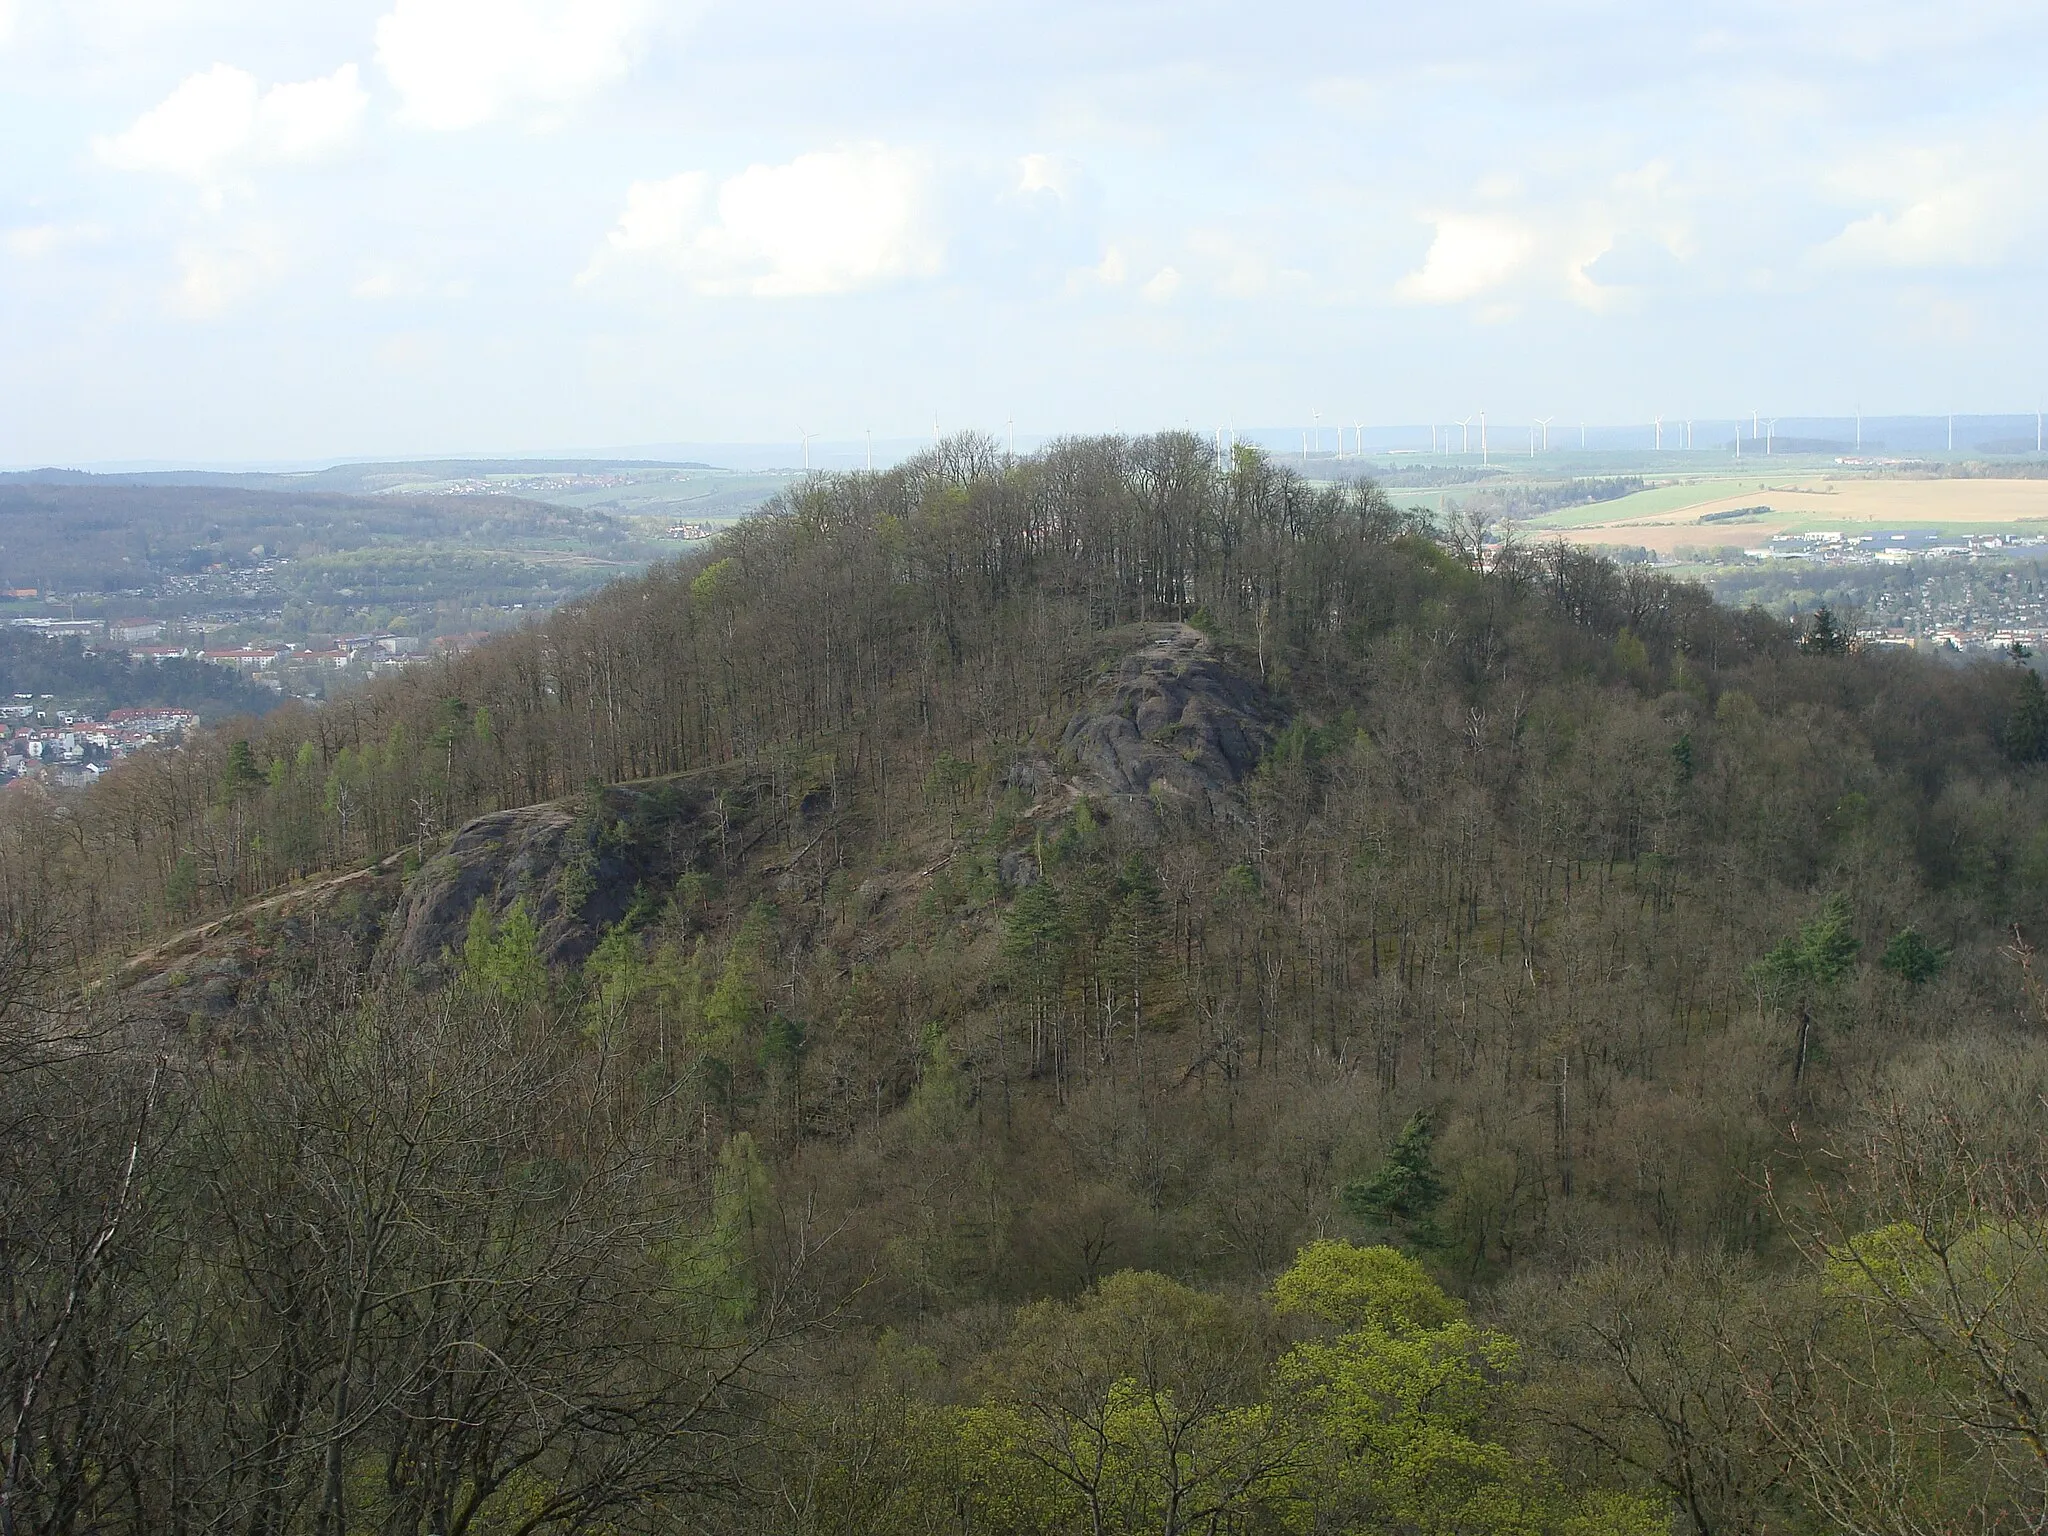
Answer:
(219, 121)
(829, 222)
(388, 281)
(1160, 286)
(1963, 224)
(216, 273)
(1963, 203)
(197, 129)
(1044, 173)
(1470, 254)
(461, 63)
(312, 118)
(33, 241)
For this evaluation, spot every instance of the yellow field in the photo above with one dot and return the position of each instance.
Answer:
(1668, 516)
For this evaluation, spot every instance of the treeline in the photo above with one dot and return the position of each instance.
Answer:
(1644, 972)
(33, 668)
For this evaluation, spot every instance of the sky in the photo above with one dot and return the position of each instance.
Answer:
(234, 232)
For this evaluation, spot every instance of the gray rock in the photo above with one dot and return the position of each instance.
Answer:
(1177, 731)
(577, 866)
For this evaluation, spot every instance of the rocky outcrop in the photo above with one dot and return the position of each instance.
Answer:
(211, 986)
(577, 865)
(1173, 730)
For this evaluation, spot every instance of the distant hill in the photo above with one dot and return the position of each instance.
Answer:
(102, 534)
(347, 479)
(103, 680)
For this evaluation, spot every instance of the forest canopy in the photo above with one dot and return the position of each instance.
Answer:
(1112, 990)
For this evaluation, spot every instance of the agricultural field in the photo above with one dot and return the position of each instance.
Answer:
(1668, 517)
(1719, 508)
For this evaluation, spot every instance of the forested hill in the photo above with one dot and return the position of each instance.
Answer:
(96, 681)
(88, 535)
(1107, 991)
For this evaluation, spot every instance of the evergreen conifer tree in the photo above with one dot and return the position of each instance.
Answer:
(2026, 728)
(1406, 1190)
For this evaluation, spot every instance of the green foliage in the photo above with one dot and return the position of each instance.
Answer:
(715, 583)
(1405, 1413)
(1133, 1409)
(1146, 1406)
(1824, 637)
(502, 959)
(737, 1005)
(1682, 759)
(240, 775)
(1630, 654)
(1305, 746)
(97, 681)
(783, 1042)
(719, 1272)
(1352, 1287)
(1815, 960)
(2025, 737)
(937, 1103)
(1406, 1191)
(181, 889)
(1912, 958)
(576, 881)
(1034, 934)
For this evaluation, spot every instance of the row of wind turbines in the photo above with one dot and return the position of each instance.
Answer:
(1761, 427)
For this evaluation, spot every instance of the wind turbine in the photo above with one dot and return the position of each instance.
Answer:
(1951, 431)
(869, 434)
(1859, 429)
(1013, 437)
(1482, 437)
(1544, 422)
(806, 436)
(1660, 434)
(1770, 426)
(1465, 426)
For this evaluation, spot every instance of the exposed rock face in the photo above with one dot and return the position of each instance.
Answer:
(577, 865)
(211, 985)
(1178, 730)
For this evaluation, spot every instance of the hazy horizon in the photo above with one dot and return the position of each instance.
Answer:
(233, 234)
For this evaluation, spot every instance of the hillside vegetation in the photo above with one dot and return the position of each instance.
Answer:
(1099, 992)
(32, 667)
